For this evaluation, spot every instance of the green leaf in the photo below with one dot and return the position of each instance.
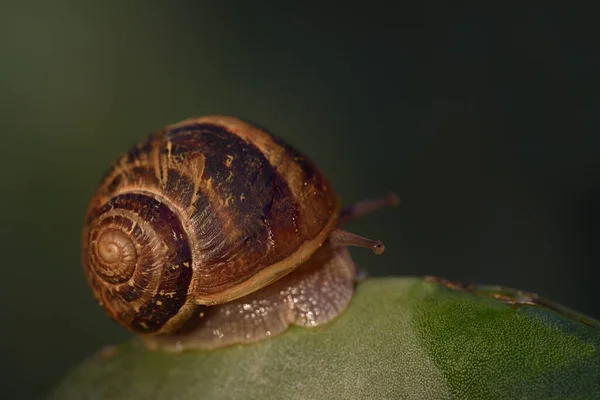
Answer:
(400, 338)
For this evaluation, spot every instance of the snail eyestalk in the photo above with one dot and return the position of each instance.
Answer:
(366, 207)
(341, 238)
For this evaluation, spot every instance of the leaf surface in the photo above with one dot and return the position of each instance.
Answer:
(404, 338)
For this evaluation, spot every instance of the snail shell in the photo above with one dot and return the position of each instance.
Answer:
(202, 212)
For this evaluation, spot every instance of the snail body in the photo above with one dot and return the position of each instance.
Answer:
(200, 235)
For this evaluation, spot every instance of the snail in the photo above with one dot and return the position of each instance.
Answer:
(213, 231)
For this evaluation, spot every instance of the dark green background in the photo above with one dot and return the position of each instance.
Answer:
(484, 121)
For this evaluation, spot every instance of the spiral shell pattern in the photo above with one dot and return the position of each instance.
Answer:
(199, 213)
(141, 261)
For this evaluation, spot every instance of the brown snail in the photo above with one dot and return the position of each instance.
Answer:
(213, 232)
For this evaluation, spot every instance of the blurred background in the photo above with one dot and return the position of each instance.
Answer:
(484, 122)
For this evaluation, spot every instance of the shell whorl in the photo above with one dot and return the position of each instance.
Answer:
(214, 208)
(139, 262)
(114, 255)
